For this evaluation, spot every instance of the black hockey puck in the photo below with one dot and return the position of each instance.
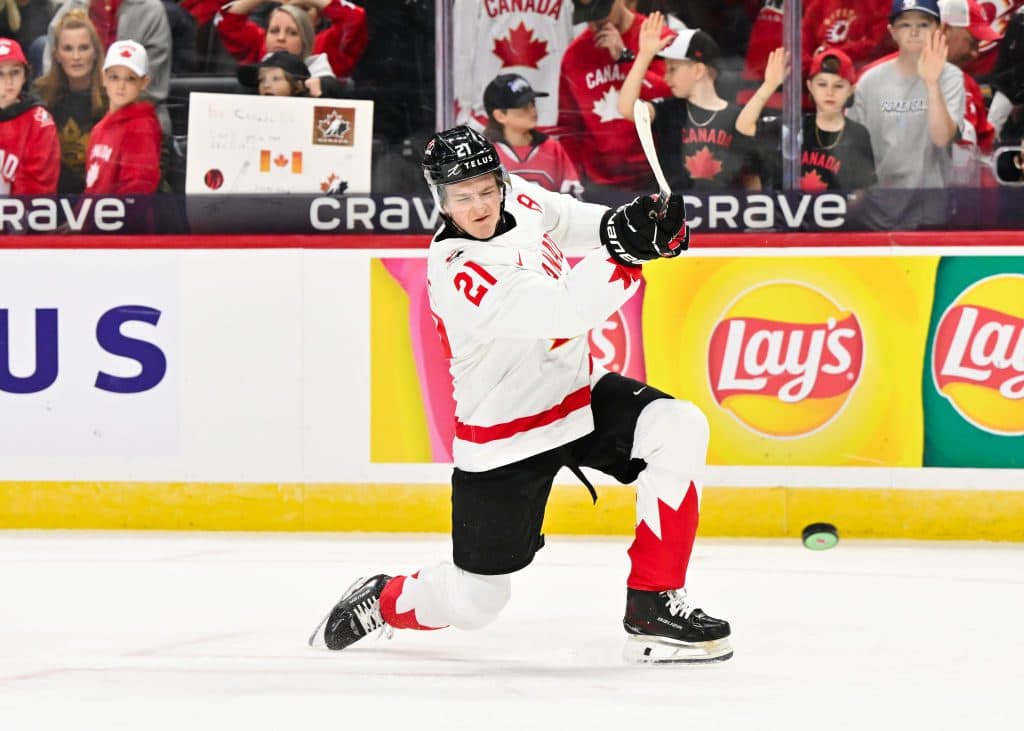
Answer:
(820, 536)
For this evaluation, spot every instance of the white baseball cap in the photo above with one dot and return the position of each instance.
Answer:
(968, 14)
(127, 53)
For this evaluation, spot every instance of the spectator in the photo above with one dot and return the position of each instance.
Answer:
(855, 27)
(143, 21)
(279, 74)
(25, 21)
(501, 38)
(836, 151)
(184, 54)
(29, 151)
(765, 36)
(72, 91)
(1010, 168)
(911, 103)
(966, 29)
(694, 128)
(124, 149)
(594, 132)
(1007, 77)
(332, 52)
(512, 116)
(998, 14)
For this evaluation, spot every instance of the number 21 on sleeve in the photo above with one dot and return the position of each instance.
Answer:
(468, 282)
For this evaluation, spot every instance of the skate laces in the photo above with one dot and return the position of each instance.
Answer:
(678, 604)
(367, 613)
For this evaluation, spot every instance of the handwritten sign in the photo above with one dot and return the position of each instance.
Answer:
(270, 144)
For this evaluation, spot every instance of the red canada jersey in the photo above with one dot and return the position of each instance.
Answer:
(124, 152)
(599, 139)
(29, 150)
(544, 162)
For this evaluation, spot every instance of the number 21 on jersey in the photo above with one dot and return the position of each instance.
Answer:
(474, 284)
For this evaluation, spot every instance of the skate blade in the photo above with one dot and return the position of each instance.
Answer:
(647, 650)
(317, 640)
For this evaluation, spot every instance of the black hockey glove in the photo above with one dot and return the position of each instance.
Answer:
(634, 233)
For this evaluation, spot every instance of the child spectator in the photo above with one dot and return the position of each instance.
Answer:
(29, 151)
(836, 151)
(511, 107)
(911, 103)
(291, 28)
(124, 149)
(72, 91)
(594, 132)
(145, 22)
(279, 74)
(694, 129)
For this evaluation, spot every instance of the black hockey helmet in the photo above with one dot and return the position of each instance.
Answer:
(458, 154)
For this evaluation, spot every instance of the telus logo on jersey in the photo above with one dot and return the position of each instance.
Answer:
(978, 354)
(784, 358)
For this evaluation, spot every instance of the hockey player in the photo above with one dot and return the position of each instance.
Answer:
(514, 319)
(29, 150)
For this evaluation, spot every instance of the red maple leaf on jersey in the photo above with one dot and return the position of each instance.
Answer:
(520, 48)
(703, 165)
(811, 181)
(621, 273)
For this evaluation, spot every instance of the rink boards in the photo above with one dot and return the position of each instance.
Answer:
(210, 387)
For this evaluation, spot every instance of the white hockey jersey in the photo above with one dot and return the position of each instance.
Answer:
(525, 37)
(515, 319)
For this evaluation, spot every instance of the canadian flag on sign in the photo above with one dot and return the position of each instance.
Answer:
(280, 161)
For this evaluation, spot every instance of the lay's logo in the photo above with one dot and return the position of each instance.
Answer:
(783, 359)
(978, 354)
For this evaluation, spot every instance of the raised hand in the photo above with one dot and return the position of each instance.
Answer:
(933, 58)
(775, 68)
(651, 31)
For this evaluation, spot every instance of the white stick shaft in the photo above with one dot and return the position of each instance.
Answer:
(642, 120)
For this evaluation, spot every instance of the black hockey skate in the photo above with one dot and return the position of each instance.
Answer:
(664, 627)
(356, 615)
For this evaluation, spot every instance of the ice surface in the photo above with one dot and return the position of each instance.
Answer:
(160, 631)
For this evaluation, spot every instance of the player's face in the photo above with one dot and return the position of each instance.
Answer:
(273, 82)
(283, 34)
(12, 78)
(76, 54)
(680, 76)
(829, 92)
(475, 205)
(123, 86)
(912, 29)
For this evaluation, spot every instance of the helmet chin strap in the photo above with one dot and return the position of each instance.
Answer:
(504, 182)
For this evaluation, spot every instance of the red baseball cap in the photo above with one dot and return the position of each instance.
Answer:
(10, 50)
(968, 14)
(846, 69)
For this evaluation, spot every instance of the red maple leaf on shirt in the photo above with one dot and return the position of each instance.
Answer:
(811, 181)
(520, 48)
(703, 165)
(621, 273)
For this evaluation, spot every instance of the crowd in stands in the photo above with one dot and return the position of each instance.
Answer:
(911, 94)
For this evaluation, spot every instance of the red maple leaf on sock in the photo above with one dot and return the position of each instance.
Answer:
(520, 48)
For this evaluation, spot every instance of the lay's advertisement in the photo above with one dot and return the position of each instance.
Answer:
(861, 361)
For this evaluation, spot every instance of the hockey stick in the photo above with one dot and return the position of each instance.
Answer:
(642, 120)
